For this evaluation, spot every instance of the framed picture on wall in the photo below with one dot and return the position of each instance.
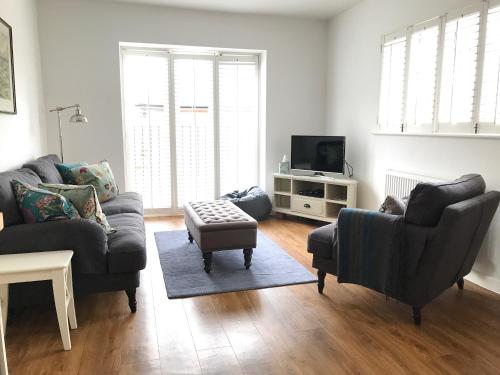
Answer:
(7, 82)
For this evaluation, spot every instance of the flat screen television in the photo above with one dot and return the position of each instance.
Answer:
(318, 153)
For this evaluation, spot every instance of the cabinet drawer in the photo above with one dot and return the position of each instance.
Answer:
(308, 206)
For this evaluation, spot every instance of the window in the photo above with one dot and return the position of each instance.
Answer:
(147, 127)
(489, 113)
(194, 128)
(422, 77)
(451, 80)
(191, 124)
(393, 78)
(461, 38)
(239, 125)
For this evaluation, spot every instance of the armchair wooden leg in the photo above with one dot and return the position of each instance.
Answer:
(417, 315)
(321, 281)
(460, 283)
(132, 302)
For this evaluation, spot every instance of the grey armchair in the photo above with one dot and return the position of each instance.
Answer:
(415, 257)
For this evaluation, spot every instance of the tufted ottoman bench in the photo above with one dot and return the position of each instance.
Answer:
(220, 225)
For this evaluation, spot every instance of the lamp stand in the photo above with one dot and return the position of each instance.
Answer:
(60, 136)
(76, 118)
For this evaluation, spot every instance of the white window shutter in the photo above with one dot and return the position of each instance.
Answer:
(238, 122)
(458, 72)
(419, 113)
(147, 133)
(489, 110)
(392, 83)
(194, 128)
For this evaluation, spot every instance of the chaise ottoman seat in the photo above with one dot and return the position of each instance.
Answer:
(220, 225)
(128, 202)
(126, 246)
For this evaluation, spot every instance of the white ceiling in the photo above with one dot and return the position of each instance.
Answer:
(322, 9)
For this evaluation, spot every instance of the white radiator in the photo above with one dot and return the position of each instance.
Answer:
(400, 184)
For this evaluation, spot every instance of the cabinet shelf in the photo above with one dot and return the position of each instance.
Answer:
(282, 193)
(334, 194)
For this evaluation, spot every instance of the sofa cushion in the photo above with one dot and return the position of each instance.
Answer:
(99, 175)
(46, 169)
(393, 205)
(8, 204)
(428, 200)
(124, 203)
(320, 241)
(84, 198)
(65, 170)
(127, 246)
(39, 205)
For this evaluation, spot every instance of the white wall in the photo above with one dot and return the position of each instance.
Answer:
(80, 62)
(23, 136)
(352, 106)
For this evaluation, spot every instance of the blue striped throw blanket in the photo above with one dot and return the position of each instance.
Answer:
(369, 250)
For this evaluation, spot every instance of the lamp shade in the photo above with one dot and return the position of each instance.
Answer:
(78, 117)
(1, 221)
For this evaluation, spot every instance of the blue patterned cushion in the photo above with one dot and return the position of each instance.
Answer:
(38, 205)
(98, 175)
(65, 171)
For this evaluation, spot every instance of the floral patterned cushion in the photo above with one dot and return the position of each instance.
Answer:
(38, 205)
(65, 171)
(84, 198)
(98, 175)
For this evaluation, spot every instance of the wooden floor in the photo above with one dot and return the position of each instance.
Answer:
(287, 330)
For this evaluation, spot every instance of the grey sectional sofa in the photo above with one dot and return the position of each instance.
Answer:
(101, 263)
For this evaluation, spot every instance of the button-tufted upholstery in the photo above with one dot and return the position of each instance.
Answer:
(220, 225)
(218, 212)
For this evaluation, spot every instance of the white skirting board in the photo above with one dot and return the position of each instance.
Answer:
(484, 281)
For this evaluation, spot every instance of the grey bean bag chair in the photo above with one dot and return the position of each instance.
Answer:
(253, 201)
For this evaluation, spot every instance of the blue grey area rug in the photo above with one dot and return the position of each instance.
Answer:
(182, 265)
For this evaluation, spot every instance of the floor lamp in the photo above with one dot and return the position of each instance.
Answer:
(77, 118)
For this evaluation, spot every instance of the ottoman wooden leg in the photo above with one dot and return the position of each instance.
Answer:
(247, 253)
(190, 237)
(207, 259)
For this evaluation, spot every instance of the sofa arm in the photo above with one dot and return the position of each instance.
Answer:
(369, 244)
(86, 238)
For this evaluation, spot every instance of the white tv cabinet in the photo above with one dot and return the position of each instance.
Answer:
(338, 193)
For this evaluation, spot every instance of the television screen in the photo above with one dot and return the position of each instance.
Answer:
(318, 153)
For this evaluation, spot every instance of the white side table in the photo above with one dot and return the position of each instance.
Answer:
(48, 265)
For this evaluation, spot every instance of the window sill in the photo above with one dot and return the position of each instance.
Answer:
(440, 135)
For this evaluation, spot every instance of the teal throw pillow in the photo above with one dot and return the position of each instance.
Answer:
(98, 175)
(39, 205)
(65, 171)
(84, 198)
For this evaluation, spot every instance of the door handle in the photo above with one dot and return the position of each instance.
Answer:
(307, 205)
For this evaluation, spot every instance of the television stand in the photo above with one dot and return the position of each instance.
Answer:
(338, 193)
(319, 174)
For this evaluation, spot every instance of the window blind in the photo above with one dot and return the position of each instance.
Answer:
(194, 128)
(238, 122)
(460, 50)
(147, 128)
(489, 112)
(419, 113)
(393, 81)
